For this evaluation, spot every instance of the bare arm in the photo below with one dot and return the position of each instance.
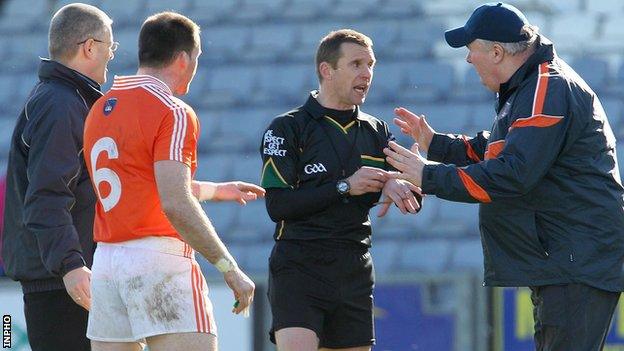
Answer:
(240, 192)
(184, 212)
(187, 217)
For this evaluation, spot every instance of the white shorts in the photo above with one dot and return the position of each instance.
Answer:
(147, 287)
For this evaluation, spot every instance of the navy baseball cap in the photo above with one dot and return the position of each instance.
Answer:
(493, 21)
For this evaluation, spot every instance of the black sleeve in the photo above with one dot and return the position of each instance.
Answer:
(286, 204)
(280, 156)
(55, 149)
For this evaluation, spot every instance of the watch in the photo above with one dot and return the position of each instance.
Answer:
(343, 187)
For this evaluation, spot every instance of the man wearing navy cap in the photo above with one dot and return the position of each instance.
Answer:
(546, 177)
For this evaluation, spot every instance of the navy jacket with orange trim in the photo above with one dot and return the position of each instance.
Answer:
(552, 202)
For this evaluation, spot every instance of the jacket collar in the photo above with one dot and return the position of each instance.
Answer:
(89, 89)
(317, 111)
(544, 52)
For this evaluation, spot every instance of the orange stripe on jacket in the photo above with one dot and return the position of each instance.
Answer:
(469, 150)
(540, 89)
(494, 148)
(474, 189)
(540, 121)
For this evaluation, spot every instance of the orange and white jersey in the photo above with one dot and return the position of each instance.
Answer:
(135, 124)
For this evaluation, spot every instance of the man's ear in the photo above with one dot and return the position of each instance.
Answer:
(87, 49)
(326, 70)
(182, 59)
(498, 53)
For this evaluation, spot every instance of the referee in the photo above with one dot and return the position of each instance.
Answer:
(324, 169)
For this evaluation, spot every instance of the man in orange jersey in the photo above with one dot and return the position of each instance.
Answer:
(140, 149)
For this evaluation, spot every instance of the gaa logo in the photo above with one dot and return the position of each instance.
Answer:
(314, 168)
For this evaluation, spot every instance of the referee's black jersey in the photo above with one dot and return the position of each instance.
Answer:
(305, 152)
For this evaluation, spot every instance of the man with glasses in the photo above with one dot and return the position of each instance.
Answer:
(48, 220)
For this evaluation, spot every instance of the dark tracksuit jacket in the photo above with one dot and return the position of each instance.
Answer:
(546, 177)
(49, 205)
(305, 152)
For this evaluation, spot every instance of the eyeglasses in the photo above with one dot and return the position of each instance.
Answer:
(113, 46)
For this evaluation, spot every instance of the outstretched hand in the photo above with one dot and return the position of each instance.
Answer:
(409, 162)
(414, 126)
(240, 192)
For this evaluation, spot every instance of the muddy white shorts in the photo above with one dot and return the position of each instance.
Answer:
(147, 287)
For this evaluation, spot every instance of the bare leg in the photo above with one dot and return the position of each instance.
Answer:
(183, 342)
(296, 339)
(115, 346)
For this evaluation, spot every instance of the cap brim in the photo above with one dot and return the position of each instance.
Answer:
(457, 37)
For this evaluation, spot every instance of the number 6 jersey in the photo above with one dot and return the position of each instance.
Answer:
(135, 124)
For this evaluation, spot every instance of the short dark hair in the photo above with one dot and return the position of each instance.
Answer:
(329, 48)
(72, 24)
(163, 36)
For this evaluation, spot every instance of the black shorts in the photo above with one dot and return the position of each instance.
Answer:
(327, 290)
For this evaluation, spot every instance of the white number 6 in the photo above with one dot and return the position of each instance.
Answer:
(107, 145)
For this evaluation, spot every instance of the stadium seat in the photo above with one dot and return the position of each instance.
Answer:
(6, 131)
(456, 219)
(613, 109)
(594, 70)
(352, 9)
(388, 80)
(8, 93)
(444, 118)
(425, 255)
(397, 8)
(298, 10)
(230, 85)
(383, 33)
(480, 117)
(270, 43)
(21, 16)
(25, 50)
(224, 42)
(256, 10)
(385, 255)
(470, 89)
(560, 7)
(248, 167)
(285, 85)
(254, 224)
(125, 13)
(180, 6)
(428, 81)
(214, 167)
(257, 257)
(127, 55)
(210, 12)
(447, 7)
(209, 127)
(565, 31)
(241, 129)
(416, 38)
(308, 38)
(467, 255)
(223, 215)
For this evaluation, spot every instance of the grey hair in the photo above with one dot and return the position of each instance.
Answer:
(529, 30)
(72, 24)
